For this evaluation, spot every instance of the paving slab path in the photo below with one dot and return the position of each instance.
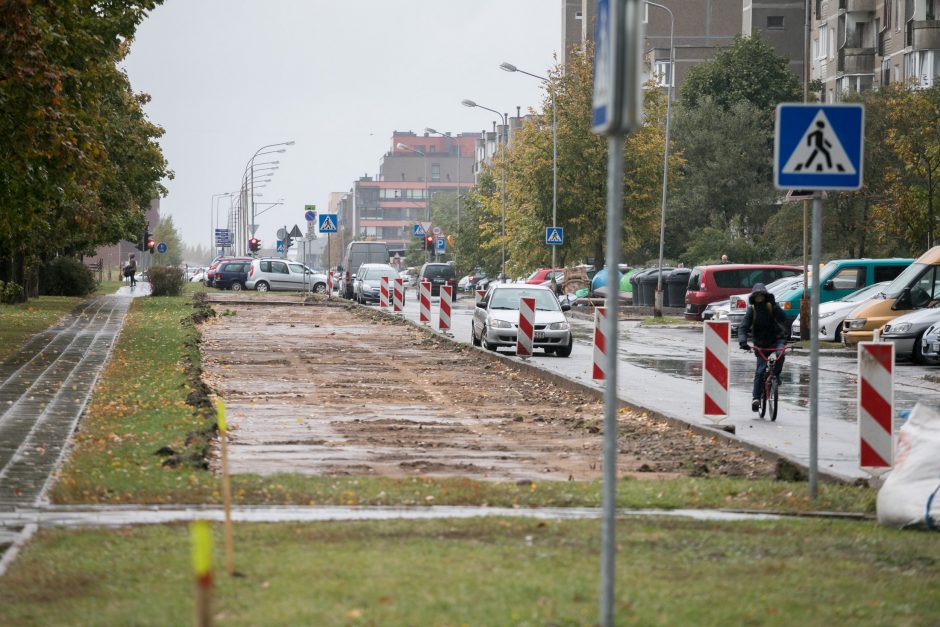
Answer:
(44, 388)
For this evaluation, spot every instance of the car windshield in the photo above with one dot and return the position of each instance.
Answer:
(375, 273)
(865, 293)
(783, 287)
(509, 299)
(905, 279)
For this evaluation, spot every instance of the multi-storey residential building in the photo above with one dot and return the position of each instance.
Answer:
(860, 44)
(387, 206)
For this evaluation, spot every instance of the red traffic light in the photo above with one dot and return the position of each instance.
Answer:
(151, 244)
(254, 244)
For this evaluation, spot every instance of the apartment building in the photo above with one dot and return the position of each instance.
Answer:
(861, 44)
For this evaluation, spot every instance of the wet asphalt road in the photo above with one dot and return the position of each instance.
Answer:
(660, 369)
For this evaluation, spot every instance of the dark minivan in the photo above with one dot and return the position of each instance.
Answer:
(438, 274)
(231, 275)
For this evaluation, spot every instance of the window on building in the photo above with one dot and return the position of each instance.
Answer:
(823, 42)
(646, 13)
(435, 171)
(832, 42)
(897, 13)
(663, 72)
(433, 148)
(774, 22)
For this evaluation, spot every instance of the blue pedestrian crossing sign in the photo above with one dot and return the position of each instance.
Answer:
(554, 236)
(280, 247)
(418, 230)
(440, 245)
(327, 223)
(819, 147)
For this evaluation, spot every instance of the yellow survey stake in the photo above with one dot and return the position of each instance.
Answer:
(201, 534)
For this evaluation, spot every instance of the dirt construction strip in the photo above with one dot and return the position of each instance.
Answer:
(340, 390)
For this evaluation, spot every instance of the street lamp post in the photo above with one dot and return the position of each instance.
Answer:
(658, 303)
(249, 205)
(502, 191)
(509, 67)
(427, 189)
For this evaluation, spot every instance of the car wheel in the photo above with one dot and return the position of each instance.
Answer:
(565, 351)
(262, 286)
(236, 287)
(473, 337)
(550, 350)
(486, 345)
(320, 288)
(838, 335)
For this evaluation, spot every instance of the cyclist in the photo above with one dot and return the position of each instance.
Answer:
(765, 320)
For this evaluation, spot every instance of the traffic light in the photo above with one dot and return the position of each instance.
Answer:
(151, 244)
(429, 243)
(287, 242)
(254, 244)
(142, 243)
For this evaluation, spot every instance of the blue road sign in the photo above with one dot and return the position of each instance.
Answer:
(819, 147)
(280, 247)
(310, 216)
(418, 230)
(603, 108)
(554, 236)
(328, 223)
(440, 245)
(223, 237)
(161, 248)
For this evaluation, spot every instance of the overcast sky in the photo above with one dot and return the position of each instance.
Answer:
(337, 77)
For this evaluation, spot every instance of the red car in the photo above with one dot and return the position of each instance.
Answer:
(544, 274)
(709, 284)
(210, 273)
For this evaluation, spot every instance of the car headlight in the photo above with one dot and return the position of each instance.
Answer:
(559, 326)
(500, 324)
(902, 327)
(827, 314)
(855, 325)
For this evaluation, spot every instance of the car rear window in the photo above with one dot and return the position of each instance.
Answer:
(439, 271)
(373, 273)
(509, 299)
(744, 278)
(695, 280)
(235, 267)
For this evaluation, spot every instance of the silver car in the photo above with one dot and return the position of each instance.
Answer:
(284, 275)
(930, 343)
(907, 331)
(496, 319)
(368, 282)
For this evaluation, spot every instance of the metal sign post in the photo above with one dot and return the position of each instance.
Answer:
(818, 147)
(616, 110)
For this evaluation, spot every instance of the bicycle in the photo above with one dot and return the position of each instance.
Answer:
(770, 390)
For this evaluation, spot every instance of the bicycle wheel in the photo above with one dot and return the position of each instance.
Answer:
(763, 398)
(772, 398)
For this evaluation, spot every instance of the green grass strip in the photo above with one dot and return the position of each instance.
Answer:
(486, 572)
(19, 322)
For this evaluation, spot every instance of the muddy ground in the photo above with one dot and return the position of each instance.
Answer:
(343, 390)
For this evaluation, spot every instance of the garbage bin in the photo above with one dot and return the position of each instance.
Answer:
(601, 280)
(634, 281)
(626, 283)
(648, 283)
(677, 286)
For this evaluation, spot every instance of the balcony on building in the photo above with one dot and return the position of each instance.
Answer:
(857, 54)
(925, 34)
(853, 6)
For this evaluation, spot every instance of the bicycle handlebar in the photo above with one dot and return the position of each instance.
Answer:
(764, 352)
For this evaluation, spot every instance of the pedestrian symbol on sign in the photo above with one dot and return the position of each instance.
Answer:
(819, 150)
(327, 223)
(554, 236)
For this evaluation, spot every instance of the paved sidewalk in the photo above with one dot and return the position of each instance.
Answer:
(44, 388)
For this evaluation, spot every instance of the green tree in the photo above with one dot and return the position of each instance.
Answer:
(166, 233)
(750, 71)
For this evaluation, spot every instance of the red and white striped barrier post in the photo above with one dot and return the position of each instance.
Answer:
(383, 292)
(525, 333)
(443, 318)
(478, 295)
(424, 298)
(399, 297)
(600, 344)
(329, 284)
(715, 368)
(876, 405)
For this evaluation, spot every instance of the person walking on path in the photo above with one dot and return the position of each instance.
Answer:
(131, 269)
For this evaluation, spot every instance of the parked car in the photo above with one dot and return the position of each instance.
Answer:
(369, 280)
(438, 274)
(232, 275)
(543, 274)
(781, 289)
(930, 343)
(708, 284)
(917, 287)
(276, 274)
(907, 331)
(358, 253)
(199, 276)
(496, 319)
(833, 313)
(409, 276)
(210, 272)
(717, 311)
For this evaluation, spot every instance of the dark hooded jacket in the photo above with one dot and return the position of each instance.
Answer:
(766, 322)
